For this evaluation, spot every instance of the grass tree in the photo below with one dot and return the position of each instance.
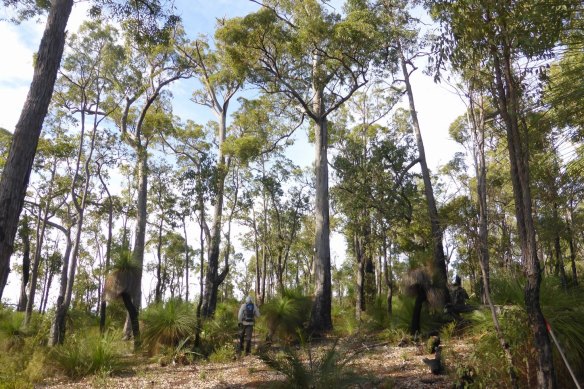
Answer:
(121, 282)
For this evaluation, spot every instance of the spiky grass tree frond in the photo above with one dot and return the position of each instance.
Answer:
(221, 329)
(167, 324)
(330, 368)
(507, 290)
(563, 310)
(82, 356)
(403, 308)
(286, 315)
(288, 362)
(122, 276)
(12, 332)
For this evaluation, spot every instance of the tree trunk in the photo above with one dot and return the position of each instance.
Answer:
(507, 99)
(187, 258)
(478, 127)
(102, 309)
(158, 289)
(388, 274)
(360, 279)
(16, 172)
(440, 271)
(257, 255)
(320, 319)
(57, 335)
(417, 315)
(572, 249)
(140, 234)
(133, 312)
(25, 238)
(558, 250)
(213, 278)
(41, 226)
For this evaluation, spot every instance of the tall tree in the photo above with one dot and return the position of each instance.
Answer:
(219, 86)
(148, 69)
(16, 173)
(318, 58)
(502, 33)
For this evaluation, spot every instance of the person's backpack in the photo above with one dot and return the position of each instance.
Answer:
(249, 312)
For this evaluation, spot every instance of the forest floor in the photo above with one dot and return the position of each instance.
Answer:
(385, 365)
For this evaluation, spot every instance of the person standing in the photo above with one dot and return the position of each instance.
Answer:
(246, 318)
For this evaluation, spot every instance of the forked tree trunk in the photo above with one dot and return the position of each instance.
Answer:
(16, 172)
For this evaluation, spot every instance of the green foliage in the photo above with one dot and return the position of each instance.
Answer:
(487, 357)
(12, 332)
(330, 368)
(22, 350)
(167, 324)
(221, 329)
(345, 322)
(224, 354)
(286, 315)
(562, 310)
(402, 312)
(82, 356)
(376, 317)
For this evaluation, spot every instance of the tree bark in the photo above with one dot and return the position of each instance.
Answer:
(57, 335)
(321, 320)
(572, 248)
(25, 238)
(360, 279)
(16, 173)
(102, 308)
(213, 278)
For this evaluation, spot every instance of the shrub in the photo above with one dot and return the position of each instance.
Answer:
(286, 316)
(79, 357)
(563, 311)
(376, 315)
(345, 322)
(224, 354)
(167, 325)
(221, 329)
(329, 369)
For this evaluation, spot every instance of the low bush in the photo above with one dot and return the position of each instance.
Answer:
(287, 316)
(166, 325)
(82, 356)
(329, 368)
(221, 329)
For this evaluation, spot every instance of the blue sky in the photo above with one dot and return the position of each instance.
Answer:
(437, 107)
